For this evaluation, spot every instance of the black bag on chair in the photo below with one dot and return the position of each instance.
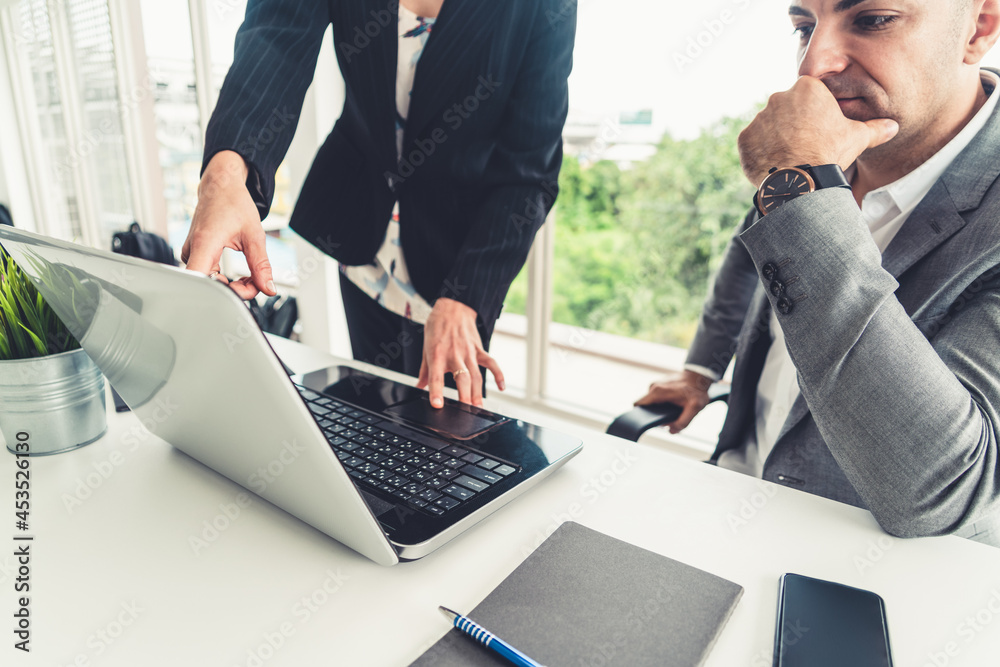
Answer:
(137, 243)
(277, 316)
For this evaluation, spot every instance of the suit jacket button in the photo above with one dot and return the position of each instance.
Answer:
(777, 287)
(769, 270)
(784, 305)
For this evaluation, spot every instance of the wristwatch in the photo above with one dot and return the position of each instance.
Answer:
(783, 185)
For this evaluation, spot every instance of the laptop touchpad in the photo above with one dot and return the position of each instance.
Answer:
(451, 420)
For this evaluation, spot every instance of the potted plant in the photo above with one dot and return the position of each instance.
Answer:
(51, 393)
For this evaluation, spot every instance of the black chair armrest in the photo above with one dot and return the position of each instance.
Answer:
(632, 424)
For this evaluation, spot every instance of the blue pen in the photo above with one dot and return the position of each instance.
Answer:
(489, 640)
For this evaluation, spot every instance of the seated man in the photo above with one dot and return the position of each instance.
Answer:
(864, 313)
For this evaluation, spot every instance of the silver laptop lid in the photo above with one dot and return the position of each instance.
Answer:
(189, 359)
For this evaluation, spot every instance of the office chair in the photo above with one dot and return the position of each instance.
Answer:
(632, 424)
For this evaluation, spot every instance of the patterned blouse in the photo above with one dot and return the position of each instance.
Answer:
(386, 279)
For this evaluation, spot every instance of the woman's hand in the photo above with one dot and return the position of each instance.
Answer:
(452, 345)
(226, 217)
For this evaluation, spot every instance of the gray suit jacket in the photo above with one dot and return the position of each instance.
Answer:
(898, 354)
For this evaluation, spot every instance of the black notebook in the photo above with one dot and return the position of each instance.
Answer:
(584, 598)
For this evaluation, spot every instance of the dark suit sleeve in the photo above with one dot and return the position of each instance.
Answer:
(261, 98)
(726, 307)
(522, 176)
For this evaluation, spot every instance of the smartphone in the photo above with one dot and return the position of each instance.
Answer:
(826, 624)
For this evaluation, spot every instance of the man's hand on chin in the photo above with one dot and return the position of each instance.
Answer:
(804, 125)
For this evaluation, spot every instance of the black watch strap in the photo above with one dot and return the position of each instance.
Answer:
(827, 176)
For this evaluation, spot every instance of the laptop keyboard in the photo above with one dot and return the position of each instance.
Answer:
(431, 475)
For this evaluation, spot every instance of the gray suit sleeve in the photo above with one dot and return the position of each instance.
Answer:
(911, 420)
(726, 306)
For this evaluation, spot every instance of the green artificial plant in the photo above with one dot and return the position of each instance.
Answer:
(28, 326)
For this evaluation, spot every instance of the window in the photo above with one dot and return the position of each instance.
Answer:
(66, 66)
(100, 150)
(42, 105)
(650, 190)
(170, 58)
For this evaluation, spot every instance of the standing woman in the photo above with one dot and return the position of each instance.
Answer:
(433, 182)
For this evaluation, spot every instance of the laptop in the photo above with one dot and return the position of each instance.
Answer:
(364, 459)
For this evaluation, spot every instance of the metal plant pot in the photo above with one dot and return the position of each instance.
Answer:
(58, 401)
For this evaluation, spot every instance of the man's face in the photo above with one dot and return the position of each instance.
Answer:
(897, 59)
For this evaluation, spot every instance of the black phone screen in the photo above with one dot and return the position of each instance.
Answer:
(826, 624)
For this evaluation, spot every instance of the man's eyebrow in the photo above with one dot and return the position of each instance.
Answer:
(844, 5)
(841, 6)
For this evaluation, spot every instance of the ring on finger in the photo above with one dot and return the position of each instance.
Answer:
(460, 371)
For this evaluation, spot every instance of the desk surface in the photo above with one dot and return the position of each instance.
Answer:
(142, 556)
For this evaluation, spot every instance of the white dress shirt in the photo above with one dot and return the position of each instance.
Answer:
(884, 210)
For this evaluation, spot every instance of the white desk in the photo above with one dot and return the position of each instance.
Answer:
(116, 580)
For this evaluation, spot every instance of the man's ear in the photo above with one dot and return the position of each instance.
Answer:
(986, 33)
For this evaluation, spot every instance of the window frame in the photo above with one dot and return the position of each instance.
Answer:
(136, 117)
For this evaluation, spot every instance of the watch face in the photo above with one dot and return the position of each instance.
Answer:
(781, 186)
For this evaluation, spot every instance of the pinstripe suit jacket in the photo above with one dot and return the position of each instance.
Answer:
(482, 147)
(897, 354)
